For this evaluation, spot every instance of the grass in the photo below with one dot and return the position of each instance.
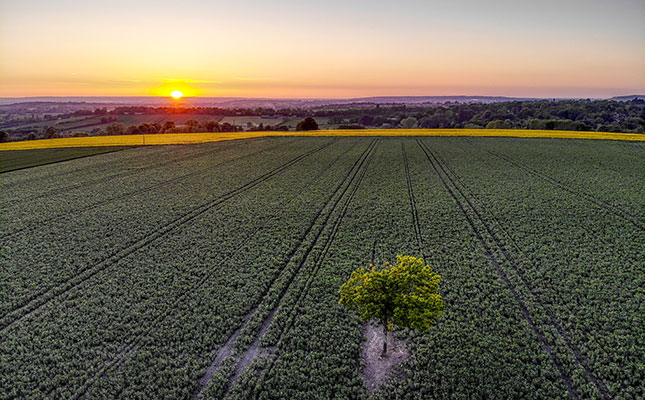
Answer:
(189, 138)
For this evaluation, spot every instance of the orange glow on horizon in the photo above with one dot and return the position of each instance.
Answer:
(268, 50)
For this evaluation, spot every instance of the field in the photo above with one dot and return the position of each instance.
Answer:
(212, 270)
(90, 123)
(191, 138)
(86, 124)
(19, 159)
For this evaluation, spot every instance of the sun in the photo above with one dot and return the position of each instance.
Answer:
(176, 94)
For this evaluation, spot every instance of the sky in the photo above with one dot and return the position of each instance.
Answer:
(322, 49)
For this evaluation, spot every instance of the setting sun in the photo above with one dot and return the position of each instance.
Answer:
(176, 94)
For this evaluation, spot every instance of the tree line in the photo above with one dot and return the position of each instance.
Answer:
(571, 115)
(576, 115)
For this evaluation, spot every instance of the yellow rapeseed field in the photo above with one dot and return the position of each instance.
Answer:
(189, 138)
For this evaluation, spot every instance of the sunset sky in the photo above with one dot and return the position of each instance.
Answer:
(332, 48)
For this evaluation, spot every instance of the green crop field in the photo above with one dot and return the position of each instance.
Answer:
(212, 270)
(18, 159)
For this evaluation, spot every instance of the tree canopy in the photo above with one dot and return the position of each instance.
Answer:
(307, 124)
(403, 295)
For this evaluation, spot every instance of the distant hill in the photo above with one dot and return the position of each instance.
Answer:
(241, 102)
(274, 103)
(436, 99)
(629, 97)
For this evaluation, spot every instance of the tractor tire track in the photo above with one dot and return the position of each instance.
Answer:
(498, 269)
(39, 224)
(305, 290)
(15, 160)
(107, 165)
(413, 203)
(122, 357)
(99, 167)
(498, 223)
(41, 299)
(251, 352)
(618, 211)
(580, 357)
(130, 172)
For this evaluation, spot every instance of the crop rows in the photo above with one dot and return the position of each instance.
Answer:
(115, 228)
(134, 343)
(475, 217)
(216, 274)
(329, 218)
(577, 254)
(576, 192)
(30, 213)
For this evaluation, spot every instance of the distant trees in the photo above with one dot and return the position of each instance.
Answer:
(105, 120)
(116, 128)
(433, 122)
(409, 123)
(472, 126)
(212, 126)
(498, 124)
(379, 120)
(366, 120)
(350, 126)
(403, 295)
(168, 126)
(228, 127)
(192, 126)
(575, 115)
(51, 133)
(307, 124)
(558, 124)
(4, 136)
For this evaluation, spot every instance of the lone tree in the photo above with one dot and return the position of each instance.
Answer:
(404, 295)
(307, 124)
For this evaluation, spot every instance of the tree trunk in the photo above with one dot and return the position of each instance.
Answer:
(384, 340)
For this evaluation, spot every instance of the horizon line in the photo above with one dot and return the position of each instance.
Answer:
(316, 98)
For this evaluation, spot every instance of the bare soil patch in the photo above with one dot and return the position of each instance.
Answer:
(377, 367)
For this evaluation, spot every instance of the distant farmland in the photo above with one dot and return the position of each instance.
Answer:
(212, 270)
(191, 138)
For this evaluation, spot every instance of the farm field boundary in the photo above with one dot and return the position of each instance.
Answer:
(192, 138)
